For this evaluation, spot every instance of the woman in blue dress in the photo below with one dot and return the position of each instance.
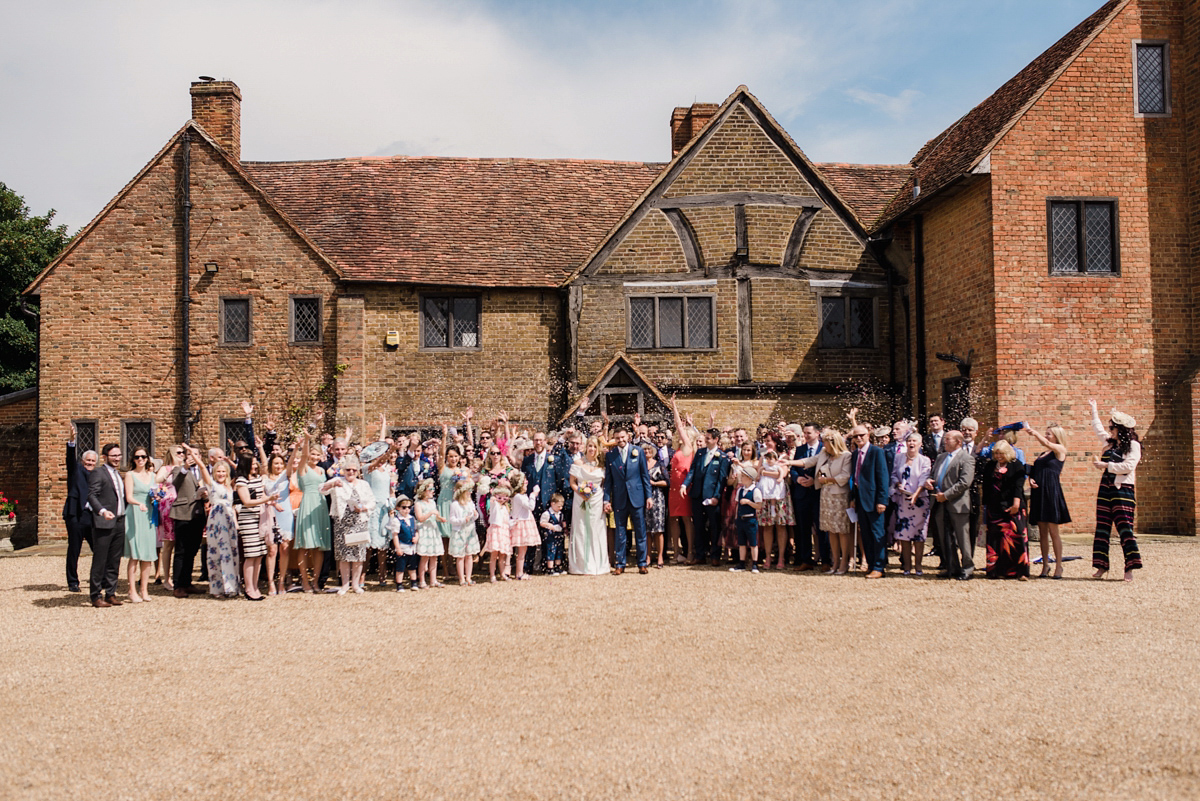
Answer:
(221, 530)
(141, 533)
(312, 518)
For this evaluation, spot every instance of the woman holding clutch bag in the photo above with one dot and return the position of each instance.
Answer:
(350, 511)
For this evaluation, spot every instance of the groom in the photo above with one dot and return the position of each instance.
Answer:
(627, 495)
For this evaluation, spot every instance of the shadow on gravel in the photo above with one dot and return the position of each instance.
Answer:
(73, 599)
(44, 588)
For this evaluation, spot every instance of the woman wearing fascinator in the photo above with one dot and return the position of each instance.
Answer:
(1115, 500)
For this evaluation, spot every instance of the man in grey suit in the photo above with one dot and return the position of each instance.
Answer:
(188, 513)
(106, 498)
(948, 482)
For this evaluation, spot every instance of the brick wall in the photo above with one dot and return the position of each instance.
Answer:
(110, 341)
(1123, 339)
(516, 370)
(19, 463)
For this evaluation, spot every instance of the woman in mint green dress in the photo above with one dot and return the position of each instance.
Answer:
(141, 535)
(312, 518)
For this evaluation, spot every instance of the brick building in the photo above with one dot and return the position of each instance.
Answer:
(1034, 254)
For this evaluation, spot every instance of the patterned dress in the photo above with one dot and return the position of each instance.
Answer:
(429, 536)
(463, 539)
(140, 535)
(912, 519)
(282, 523)
(656, 515)
(166, 526)
(249, 534)
(312, 518)
(357, 494)
(1007, 538)
(221, 532)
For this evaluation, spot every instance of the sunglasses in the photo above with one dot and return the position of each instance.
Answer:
(137, 456)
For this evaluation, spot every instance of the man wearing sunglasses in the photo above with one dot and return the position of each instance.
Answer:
(869, 475)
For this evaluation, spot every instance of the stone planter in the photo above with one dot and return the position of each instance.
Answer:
(6, 531)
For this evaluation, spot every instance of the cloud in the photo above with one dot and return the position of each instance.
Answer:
(898, 107)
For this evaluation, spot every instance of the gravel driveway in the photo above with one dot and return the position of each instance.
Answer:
(686, 683)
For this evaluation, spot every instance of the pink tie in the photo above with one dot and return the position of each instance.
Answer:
(858, 465)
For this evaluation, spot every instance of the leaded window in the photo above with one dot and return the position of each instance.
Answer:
(847, 322)
(136, 434)
(450, 322)
(234, 431)
(235, 321)
(306, 320)
(85, 436)
(1083, 236)
(671, 322)
(1152, 78)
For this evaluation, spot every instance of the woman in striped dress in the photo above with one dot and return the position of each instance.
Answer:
(1115, 500)
(250, 496)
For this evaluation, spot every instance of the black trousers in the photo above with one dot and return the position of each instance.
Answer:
(706, 526)
(79, 531)
(108, 545)
(188, 535)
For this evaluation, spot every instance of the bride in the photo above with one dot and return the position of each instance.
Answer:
(588, 555)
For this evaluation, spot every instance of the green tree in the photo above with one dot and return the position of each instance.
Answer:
(27, 245)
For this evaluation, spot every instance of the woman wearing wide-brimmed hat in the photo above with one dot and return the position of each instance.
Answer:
(1115, 500)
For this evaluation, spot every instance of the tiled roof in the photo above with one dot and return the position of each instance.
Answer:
(956, 150)
(866, 187)
(455, 221)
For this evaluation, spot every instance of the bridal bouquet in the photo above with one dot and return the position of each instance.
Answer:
(587, 490)
(157, 496)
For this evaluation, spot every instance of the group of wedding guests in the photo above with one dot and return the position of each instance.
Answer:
(263, 512)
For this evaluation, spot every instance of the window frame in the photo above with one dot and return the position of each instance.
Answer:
(1081, 245)
(126, 451)
(225, 422)
(320, 340)
(656, 297)
(1137, 86)
(450, 298)
(95, 425)
(221, 340)
(846, 297)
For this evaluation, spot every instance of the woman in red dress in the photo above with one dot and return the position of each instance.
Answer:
(679, 508)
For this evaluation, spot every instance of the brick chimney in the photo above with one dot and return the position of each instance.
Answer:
(686, 122)
(217, 107)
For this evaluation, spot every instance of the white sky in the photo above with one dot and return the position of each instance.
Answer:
(89, 91)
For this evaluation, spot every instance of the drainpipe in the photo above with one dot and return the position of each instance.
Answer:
(919, 300)
(185, 299)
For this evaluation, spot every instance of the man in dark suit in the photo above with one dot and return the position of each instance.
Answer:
(106, 496)
(806, 501)
(76, 515)
(541, 470)
(188, 513)
(931, 445)
(704, 483)
(949, 482)
(626, 495)
(870, 476)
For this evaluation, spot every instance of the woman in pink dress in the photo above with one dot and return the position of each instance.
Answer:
(166, 526)
(679, 509)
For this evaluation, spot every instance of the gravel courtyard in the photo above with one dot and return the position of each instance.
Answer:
(686, 683)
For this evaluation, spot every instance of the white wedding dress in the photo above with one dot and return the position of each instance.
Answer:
(588, 554)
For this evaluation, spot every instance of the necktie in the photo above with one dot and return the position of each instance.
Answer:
(539, 461)
(118, 485)
(858, 464)
(942, 472)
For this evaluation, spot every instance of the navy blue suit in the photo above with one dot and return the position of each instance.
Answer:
(870, 489)
(627, 488)
(77, 518)
(706, 482)
(549, 481)
(806, 502)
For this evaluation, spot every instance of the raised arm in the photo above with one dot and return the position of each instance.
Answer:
(1060, 451)
(445, 443)
(467, 415)
(262, 455)
(1097, 425)
(383, 432)
(685, 435)
(199, 460)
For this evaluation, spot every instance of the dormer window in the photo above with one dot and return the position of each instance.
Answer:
(1151, 78)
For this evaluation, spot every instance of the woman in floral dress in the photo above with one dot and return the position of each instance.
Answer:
(913, 504)
(221, 530)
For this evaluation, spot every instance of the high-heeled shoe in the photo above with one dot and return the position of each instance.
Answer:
(250, 597)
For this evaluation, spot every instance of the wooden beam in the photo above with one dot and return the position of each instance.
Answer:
(741, 238)
(791, 253)
(687, 238)
(737, 198)
(574, 307)
(719, 271)
(745, 364)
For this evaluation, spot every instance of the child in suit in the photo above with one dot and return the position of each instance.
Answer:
(403, 528)
(552, 534)
(748, 500)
